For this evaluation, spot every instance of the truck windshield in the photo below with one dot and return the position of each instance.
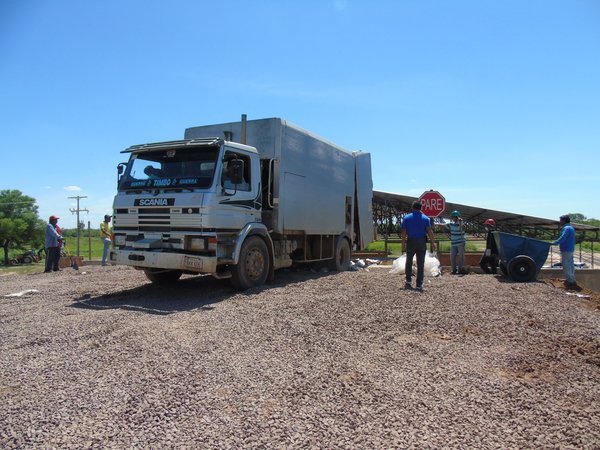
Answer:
(170, 168)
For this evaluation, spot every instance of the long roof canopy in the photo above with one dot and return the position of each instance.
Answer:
(394, 206)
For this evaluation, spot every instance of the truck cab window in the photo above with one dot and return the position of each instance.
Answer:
(161, 168)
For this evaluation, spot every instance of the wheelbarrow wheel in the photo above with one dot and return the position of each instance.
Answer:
(522, 269)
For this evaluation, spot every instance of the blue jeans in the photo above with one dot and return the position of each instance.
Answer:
(107, 242)
(457, 257)
(568, 265)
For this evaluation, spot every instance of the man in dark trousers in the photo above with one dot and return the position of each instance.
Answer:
(489, 260)
(416, 226)
(53, 241)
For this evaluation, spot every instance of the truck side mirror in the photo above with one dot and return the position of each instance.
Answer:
(120, 170)
(235, 170)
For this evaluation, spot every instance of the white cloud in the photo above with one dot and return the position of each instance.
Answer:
(72, 188)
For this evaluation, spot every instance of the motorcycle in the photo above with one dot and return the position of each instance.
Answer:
(28, 257)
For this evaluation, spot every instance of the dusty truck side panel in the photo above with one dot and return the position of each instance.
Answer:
(317, 180)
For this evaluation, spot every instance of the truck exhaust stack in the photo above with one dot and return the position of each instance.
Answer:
(243, 138)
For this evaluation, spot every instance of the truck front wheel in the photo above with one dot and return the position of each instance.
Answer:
(341, 260)
(253, 266)
(162, 276)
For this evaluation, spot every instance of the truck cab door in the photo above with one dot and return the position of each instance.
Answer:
(238, 190)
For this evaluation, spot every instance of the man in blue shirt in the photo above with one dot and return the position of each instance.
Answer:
(566, 243)
(416, 226)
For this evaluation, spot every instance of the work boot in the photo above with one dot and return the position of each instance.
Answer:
(419, 288)
(407, 285)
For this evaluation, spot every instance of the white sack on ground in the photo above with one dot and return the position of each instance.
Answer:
(398, 264)
(432, 265)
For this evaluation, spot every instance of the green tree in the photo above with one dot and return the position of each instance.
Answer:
(19, 221)
(593, 222)
(577, 217)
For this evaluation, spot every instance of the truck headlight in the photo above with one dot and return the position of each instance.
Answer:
(120, 240)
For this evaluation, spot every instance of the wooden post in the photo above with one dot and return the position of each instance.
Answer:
(89, 241)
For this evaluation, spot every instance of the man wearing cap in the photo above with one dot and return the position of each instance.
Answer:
(458, 240)
(52, 244)
(106, 236)
(416, 226)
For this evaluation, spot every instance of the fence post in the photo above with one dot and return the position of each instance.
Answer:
(89, 241)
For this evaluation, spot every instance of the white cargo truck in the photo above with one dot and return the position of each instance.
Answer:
(240, 200)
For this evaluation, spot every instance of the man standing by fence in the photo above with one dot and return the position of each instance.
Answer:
(566, 243)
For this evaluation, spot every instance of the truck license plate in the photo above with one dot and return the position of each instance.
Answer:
(192, 262)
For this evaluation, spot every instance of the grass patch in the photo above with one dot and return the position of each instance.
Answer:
(394, 247)
(24, 269)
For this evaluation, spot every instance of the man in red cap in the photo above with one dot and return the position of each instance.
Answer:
(489, 260)
(53, 240)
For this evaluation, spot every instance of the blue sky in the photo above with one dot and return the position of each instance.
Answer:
(493, 103)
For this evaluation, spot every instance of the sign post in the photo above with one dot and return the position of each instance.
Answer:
(433, 203)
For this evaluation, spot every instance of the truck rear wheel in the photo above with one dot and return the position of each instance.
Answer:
(341, 260)
(253, 266)
(162, 276)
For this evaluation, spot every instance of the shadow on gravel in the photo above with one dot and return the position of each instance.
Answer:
(194, 293)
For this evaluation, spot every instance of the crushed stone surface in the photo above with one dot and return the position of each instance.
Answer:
(100, 358)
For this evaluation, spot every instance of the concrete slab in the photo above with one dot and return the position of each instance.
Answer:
(587, 278)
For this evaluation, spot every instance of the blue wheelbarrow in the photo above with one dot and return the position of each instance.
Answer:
(521, 258)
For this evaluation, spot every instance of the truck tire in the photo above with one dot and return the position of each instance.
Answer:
(522, 269)
(341, 260)
(27, 260)
(162, 276)
(253, 266)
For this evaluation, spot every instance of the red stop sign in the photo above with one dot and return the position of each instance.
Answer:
(433, 203)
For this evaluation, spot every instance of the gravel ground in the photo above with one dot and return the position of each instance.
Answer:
(100, 358)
